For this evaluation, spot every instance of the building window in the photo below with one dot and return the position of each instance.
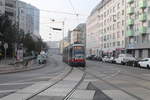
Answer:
(140, 53)
(148, 53)
(114, 44)
(122, 22)
(118, 35)
(122, 2)
(118, 5)
(105, 45)
(118, 43)
(122, 43)
(122, 32)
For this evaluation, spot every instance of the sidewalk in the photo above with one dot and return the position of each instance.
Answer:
(6, 62)
(8, 67)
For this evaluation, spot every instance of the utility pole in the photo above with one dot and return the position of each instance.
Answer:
(63, 23)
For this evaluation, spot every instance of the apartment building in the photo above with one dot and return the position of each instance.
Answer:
(92, 33)
(33, 20)
(2, 7)
(106, 28)
(21, 15)
(138, 28)
(11, 10)
(26, 16)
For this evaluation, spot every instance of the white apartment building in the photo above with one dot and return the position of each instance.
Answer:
(106, 29)
(92, 33)
(2, 7)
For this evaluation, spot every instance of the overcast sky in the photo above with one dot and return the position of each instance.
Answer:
(82, 7)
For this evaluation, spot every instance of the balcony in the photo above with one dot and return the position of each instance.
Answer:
(130, 10)
(130, 1)
(143, 4)
(143, 17)
(130, 22)
(130, 33)
(143, 30)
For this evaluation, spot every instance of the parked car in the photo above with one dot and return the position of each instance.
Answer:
(94, 57)
(91, 57)
(105, 59)
(144, 63)
(99, 58)
(41, 59)
(111, 60)
(125, 59)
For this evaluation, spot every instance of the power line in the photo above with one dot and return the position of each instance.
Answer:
(72, 6)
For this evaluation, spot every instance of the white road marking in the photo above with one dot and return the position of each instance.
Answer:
(6, 91)
(113, 75)
(17, 83)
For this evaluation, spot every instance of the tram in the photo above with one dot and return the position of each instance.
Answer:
(74, 55)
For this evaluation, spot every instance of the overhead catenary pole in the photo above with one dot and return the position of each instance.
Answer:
(63, 35)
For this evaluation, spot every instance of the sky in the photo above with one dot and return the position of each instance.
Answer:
(48, 9)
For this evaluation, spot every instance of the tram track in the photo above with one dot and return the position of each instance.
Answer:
(69, 94)
(29, 98)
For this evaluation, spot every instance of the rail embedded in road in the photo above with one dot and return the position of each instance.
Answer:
(30, 93)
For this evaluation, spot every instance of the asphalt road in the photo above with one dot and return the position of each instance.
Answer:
(119, 82)
(109, 81)
(11, 82)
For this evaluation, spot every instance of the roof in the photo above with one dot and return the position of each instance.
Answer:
(99, 6)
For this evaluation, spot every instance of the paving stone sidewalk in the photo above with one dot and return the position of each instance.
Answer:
(11, 68)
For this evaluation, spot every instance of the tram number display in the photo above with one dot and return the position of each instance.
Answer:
(78, 48)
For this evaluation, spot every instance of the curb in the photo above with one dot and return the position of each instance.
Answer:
(23, 69)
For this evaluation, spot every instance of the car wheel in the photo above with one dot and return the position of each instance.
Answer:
(148, 67)
(122, 63)
(140, 66)
(133, 64)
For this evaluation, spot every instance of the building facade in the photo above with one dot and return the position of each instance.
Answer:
(2, 7)
(106, 29)
(92, 33)
(78, 34)
(26, 16)
(11, 10)
(33, 20)
(21, 15)
(138, 28)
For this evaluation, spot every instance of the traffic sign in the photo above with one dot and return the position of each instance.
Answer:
(5, 46)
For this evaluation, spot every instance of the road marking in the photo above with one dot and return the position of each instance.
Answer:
(6, 91)
(18, 83)
(118, 95)
(113, 75)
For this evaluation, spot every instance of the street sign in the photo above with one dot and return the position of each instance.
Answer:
(5, 46)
